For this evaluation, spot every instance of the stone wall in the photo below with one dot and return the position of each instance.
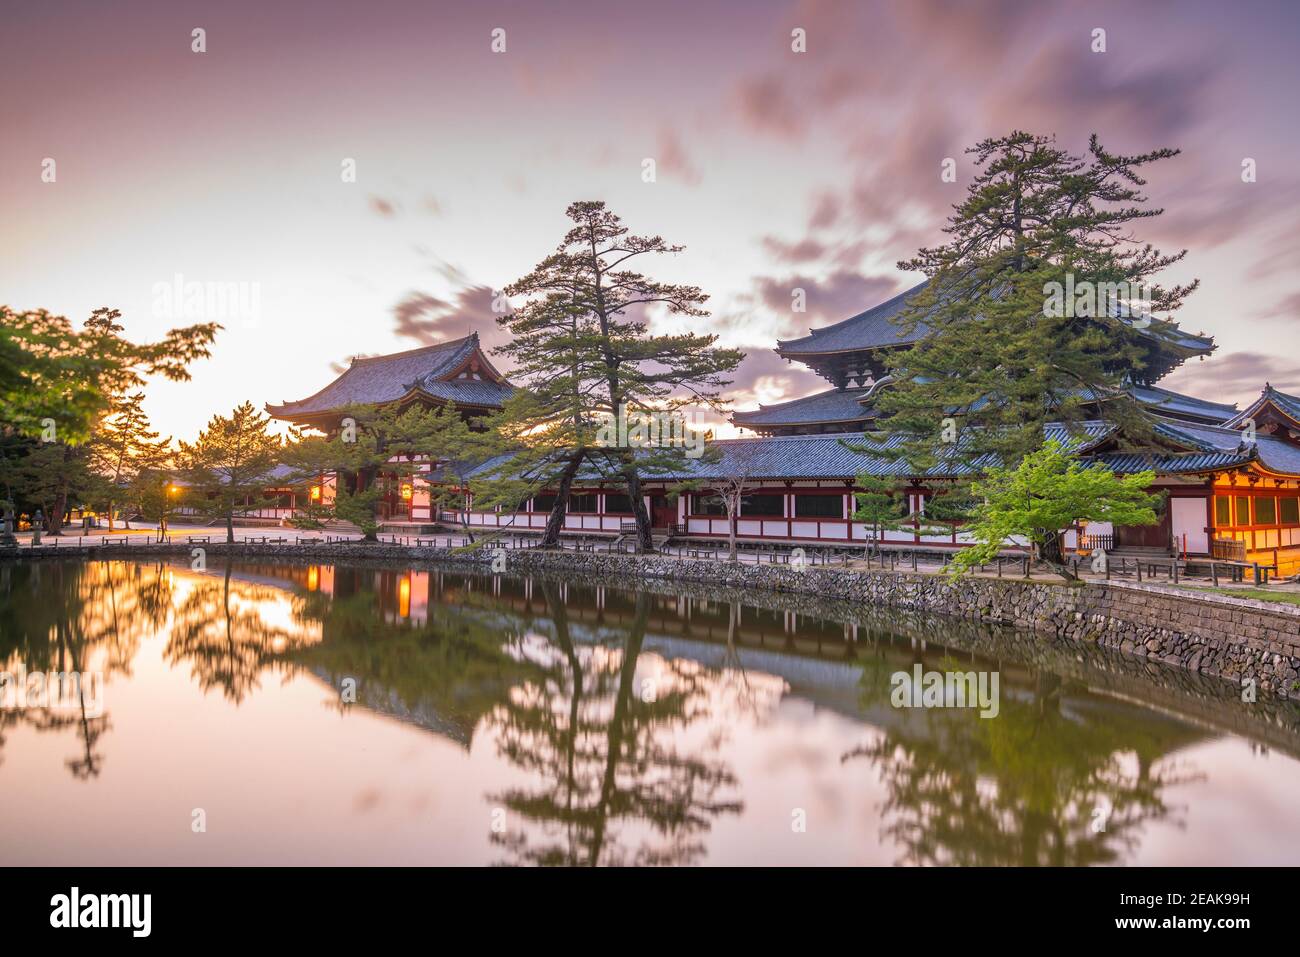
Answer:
(1214, 635)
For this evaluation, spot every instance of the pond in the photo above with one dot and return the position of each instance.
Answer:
(318, 714)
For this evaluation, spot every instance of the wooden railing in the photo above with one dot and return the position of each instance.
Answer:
(1090, 543)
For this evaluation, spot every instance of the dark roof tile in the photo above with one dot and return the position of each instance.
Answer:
(379, 379)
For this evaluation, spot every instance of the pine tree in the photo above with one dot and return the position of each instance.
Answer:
(230, 462)
(583, 347)
(1003, 354)
(376, 445)
(49, 475)
(881, 505)
(121, 447)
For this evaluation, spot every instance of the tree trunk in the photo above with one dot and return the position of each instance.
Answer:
(368, 477)
(644, 543)
(731, 535)
(230, 527)
(551, 537)
(54, 522)
(1052, 554)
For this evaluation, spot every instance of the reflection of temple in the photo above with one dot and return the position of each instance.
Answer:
(1233, 478)
(551, 676)
(820, 657)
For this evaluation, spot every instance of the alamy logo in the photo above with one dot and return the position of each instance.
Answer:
(103, 910)
(179, 299)
(919, 688)
(52, 690)
(645, 429)
(1089, 300)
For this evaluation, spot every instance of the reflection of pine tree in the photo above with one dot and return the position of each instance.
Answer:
(607, 758)
(219, 629)
(1024, 788)
(74, 617)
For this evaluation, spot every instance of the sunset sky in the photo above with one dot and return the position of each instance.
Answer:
(775, 169)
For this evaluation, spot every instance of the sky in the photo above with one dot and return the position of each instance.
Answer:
(776, 169)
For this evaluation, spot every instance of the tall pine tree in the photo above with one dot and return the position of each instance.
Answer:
(1007, 349)
(582, 345)
(122, 447)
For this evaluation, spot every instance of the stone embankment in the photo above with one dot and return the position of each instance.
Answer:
(1241, 640)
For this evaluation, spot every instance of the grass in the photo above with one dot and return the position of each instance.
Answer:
(1259, 594)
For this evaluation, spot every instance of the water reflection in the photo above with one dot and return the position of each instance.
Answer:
(603, 746)
(1057, 779)
(597, 726)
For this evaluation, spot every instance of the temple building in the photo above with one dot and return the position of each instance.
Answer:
(455, 372)
(1232, 476)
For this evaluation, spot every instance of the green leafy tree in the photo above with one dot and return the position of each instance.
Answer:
(53, 375)
(57, 383)
(1003, 353)
(230, 462)
(582, 345)
(1049, 492)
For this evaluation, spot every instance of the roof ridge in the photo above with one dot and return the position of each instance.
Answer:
(843, 322)
(433, 347)
(1186, 395)
(861, 433)
(802, 398)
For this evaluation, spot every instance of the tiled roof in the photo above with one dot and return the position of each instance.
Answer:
(833, 405)
(828, 456)
(852, 405)
(379, 379)
(1288, 404)
(1175, 403)
(867, 330)
(1273, 452)
(820, 456)
(875, 329)
(1170, 464)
